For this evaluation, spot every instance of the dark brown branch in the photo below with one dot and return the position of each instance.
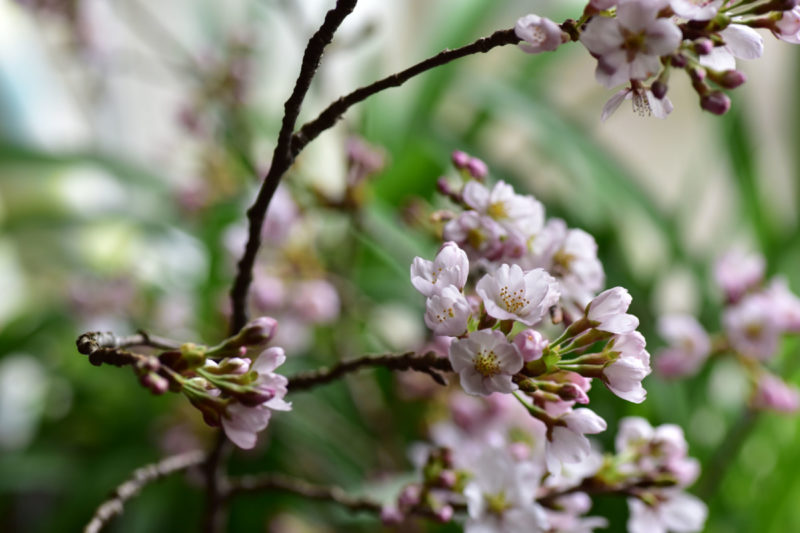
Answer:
(216, 485)
(429, 363)
(282, 158)
(141, 477)
(333, 112)
(88, 343)
(280, 482)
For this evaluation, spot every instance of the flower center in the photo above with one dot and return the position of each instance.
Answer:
(497, 503)
(633, 43)
(475, 238)
(486, 364)
(497, 210)
(435, 275)
(445, 314)
(513, 301)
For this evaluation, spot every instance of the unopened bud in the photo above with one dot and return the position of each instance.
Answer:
(460, 159)
(409, 496)
(444, 514)
(703, 46)
(193, 355)
(659, 89)
(678, 60)
(257, 332)
(255, 397)
(716, 102)
(391, 515)
(570, 392)
(477, 168)
(447, 479)
(156, 383)
(234, 365)
(730, 79)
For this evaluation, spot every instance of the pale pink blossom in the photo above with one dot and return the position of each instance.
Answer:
(695, 9)
(478, 235)
(602, 5)
(607, 312)
(316, 301)
(447, 313)
(787, 28)
(530, 344)
(656, 450)
(644, 103)
(500, 495)
(689, 346)
(281, 216)
(674, 510)
(773, 393)
(736, 272)
(567, 442)
(485, 362)
(629, 46)
(752, 327)
(742, 42)
(242, 423)
(785, 305)
(449, 267)
(624, 375)
(511, 294)
(517, 213)
(538, 34)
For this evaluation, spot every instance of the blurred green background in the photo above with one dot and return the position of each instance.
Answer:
(131, 141)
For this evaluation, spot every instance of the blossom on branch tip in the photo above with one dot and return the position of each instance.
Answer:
(449, 267)
(479, 235)
(787, 28)
(774, 394)
(485, 362)
(752, 327)
(736, 272)
(511, 294)
(689, 346)
(624, 375)
(539, 34)
(630, 45)
(242, 423)
(607, 312)
(517, 213)
(567, 442)
(671, 510)
(531, 344)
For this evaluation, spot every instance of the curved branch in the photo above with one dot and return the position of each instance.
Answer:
(269, 482)
(140, 477)
(309, 131)
(430, 363)
(281, 158)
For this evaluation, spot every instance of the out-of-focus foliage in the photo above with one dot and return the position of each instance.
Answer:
(133, 137)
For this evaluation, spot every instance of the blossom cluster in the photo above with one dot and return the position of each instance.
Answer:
(490, 459)
(756, 315)
(639, 43)
(512, 295)
(233, 384)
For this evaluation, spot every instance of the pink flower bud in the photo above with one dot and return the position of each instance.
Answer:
(772, 393)
(444, 514)
(477, 168)
(447, 479)
(460, 159)
(391, 515)
(258, 331)
(715, 102)
(703, 46)
(157, 384)
(659, 89)
(409, 496)
(530, 344)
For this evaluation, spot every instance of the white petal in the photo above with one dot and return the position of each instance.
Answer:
(743, 41)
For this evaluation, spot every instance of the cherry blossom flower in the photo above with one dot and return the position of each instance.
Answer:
(511, 294)
(752, 327)
(741, 42)
(607, 312)
(485, 362)
(673, 510)
(787, 28)
(316, 301)
(644, 103)
(447, 313)
(449, 267)
(567, 441)
(478, 235)
(624, 375)
(656, 450)
(538, 34)
(785, 305)
(689, 346)
(243, 423)
(500, 495)
(736, 272)
(772, 393)
(695, 9)
(517, 213)
(629, 46)
(281, 216)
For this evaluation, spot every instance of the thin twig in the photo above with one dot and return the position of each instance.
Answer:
(309, 131)
(90, 342)
(281, 482)
(216, 485)
(281, 158)
(141, 477)
(429, 363)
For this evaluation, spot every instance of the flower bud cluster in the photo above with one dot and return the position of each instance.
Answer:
(497, 312)
(229, 388)
(496, 456)
(756, 315)
(640, 42)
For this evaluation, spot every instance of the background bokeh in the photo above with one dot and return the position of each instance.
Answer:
(132, 138)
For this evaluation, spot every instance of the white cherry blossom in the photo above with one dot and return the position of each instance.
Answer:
(624, 375)
(447, 313)
(485, 362)
(607, 312)
(512, 294)
(674, 510)
(538, 34)
(449, 267)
